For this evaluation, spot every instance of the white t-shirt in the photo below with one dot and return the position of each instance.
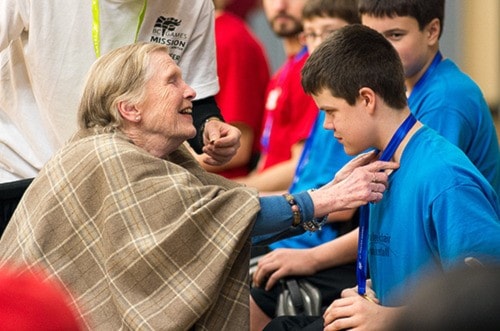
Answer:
(47, 48)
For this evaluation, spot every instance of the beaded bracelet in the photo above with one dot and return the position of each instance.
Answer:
(315, 224)
(297, 219)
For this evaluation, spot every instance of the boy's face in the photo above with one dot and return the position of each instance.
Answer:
(318, 28)
(415, 48)
(350, 124)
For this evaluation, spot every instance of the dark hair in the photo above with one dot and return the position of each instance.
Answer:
(423, 11)
(343, 9)
(353, 57)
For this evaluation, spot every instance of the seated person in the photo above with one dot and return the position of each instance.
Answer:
(422, 225)
(439, 95)
(135, 229)
(289, 113)
(321, 158)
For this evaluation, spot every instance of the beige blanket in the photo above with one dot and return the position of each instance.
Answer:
(140, 243)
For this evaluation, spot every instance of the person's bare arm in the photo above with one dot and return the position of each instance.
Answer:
(275, 178)
(305, 262)
(337, 252)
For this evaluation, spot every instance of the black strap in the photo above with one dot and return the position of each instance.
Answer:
(295, 296)
(10, 195)
(202, 110)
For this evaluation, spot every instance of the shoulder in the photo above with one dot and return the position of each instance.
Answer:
(181, 16)
(456, 81)
(433, 156)
(450, 92)
(94, 148)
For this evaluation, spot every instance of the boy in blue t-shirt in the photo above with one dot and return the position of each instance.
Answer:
(438, 207)
(321, 158)
(439, 94)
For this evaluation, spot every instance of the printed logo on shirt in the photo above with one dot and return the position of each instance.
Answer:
(165, 32)
(380, 244)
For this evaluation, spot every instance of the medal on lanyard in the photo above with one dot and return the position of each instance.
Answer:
(361, 264)
(96, 25)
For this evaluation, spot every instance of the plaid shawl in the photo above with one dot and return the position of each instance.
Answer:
(139, 242)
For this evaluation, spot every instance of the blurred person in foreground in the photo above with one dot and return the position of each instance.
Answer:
(464, 299)
(32, 301)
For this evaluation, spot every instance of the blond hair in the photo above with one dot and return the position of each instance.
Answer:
(120, 75)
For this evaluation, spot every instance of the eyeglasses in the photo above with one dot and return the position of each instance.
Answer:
(311, 36)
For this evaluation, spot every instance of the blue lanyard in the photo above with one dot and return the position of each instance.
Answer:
(304, 157)
(361, 270)
(435, 62)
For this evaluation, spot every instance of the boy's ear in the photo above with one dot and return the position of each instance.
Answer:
(128, 111)
(367, 97)
(433, 29)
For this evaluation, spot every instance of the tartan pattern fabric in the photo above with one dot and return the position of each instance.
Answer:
(140, 243)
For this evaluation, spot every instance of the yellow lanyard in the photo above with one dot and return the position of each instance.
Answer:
(96, 25)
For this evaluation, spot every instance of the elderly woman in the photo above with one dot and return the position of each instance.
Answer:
(140, 235)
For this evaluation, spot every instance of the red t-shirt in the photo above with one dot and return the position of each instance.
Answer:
(243, 72)
(241, 8)
(290, 113)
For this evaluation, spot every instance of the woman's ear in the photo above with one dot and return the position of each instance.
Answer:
(129, 112)
(367, 98)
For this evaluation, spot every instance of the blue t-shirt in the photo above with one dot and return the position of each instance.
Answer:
(321, 158)
(448, 101)
(437, 211)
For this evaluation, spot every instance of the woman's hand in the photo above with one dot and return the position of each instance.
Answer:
(360, 181)
(358, 161)
(221, 142)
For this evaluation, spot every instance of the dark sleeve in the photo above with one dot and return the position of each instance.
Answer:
(202, 110)
(275, 217)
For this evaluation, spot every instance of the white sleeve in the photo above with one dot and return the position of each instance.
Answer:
(199, 62)
(14, 19)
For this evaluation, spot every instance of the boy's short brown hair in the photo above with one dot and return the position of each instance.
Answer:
(343, 9)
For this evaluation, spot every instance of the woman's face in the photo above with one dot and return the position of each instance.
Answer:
(166, 109)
